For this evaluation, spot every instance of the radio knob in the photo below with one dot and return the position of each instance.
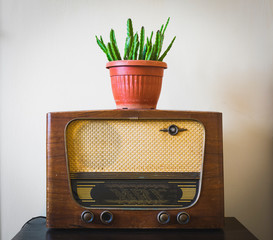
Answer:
(183, 218)
(173, 130)
(87, 216)
(163, 217)
(106, 217)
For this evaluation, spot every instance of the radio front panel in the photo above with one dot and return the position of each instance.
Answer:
(134, 169)
(135, 163)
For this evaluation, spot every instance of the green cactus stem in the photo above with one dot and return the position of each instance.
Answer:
(135, 46)
(167, 50)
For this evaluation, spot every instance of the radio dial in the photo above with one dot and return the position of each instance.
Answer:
(163, 217)
(183, 218)
(87, 216)
(106, 217)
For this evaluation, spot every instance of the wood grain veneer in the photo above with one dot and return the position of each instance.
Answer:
(64, 212)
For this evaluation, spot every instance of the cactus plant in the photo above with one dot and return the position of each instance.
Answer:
(135, 46)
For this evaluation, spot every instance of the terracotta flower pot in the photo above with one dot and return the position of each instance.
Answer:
(136, 84)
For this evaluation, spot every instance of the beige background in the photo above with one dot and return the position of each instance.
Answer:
(222, 60)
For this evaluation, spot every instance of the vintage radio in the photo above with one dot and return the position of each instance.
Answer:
(134, 169)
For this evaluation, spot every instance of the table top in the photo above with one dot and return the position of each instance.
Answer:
(36, 229)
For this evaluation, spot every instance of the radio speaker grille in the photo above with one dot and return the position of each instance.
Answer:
(134, 146)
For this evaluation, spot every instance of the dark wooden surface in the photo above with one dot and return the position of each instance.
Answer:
(36, 230)
(64, 212)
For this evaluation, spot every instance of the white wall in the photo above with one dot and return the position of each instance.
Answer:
(221, 61)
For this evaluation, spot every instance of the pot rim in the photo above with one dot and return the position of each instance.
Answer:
(137, 63)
